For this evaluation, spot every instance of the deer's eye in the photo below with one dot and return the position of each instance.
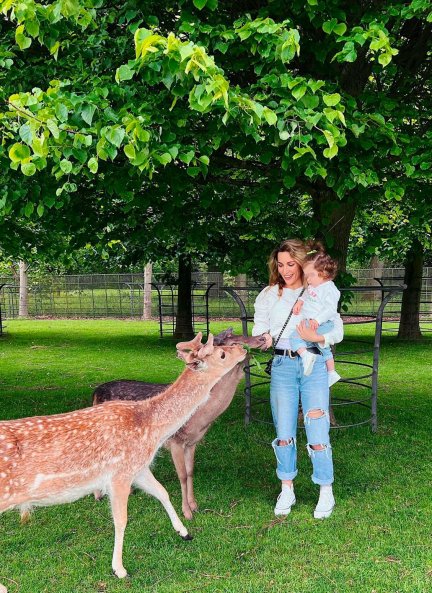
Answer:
(223, 354)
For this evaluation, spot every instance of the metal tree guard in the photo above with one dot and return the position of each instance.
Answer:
(371, 370)
(167, 307)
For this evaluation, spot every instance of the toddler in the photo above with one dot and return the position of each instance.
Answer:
(318, 306)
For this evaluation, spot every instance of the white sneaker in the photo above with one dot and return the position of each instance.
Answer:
(308, 359)
(285, 501)
(333, 377)
(326, 503)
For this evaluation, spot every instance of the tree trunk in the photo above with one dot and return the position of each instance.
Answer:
(335, 218)
(23, 290)
(184, 326)
(215, 277)
(409, 327)
(147, 304)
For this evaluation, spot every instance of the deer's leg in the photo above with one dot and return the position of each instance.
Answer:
(147, 482)
(98, 494)
(119, 494)
(178, 457)
(189, 458)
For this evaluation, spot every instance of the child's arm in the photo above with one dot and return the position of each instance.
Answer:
(298, 307)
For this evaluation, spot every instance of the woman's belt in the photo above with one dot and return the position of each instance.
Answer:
(293, 353)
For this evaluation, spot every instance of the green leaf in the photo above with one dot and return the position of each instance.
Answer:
(22, 41)
(204, 159)
(61, 112)
(284, 135)
(193, 171)
(130, 151)
(19, 152)
(289, 181)
(87, 113)
(328, 26)
(340, 29)
(28, 209)
(299, 91)
(331, 100)
(26, 134)
(330, 152)
(53, 128)
(124, 73)
(32, 28)
(40, 209)
(329, 137)
(28, 169)
(186, 157)
(384, 59)
(93, 164)
(270, 116)
(199, 4)
(164, 158)
(65, 166)
(115, 136)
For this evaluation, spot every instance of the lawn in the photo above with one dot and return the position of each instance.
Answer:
(378, 539)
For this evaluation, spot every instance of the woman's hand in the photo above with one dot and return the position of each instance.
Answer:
(269, 341)
(309, 334)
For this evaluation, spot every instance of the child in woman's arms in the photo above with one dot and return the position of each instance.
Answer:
(318, 306)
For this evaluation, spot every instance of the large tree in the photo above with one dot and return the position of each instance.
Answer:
(206, 110)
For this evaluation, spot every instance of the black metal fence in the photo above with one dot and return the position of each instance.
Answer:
(122, 295)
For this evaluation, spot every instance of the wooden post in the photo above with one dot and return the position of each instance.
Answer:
(147, 305)
(23, 289)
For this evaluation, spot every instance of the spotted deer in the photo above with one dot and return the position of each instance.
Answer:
(183, 443)
(56, 459)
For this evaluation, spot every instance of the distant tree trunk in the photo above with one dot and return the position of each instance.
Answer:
(23, 290)
(147, 304)
(335, 218)
(184, 327)
(215, 277)
(409, 327)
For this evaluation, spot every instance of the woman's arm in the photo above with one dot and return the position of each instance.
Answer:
(332, 337)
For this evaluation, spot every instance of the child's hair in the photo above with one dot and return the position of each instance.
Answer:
(322, 262)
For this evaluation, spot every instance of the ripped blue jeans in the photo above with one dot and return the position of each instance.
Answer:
(288, 383)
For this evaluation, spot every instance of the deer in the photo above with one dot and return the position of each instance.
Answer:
(183, 443)
(47, 460)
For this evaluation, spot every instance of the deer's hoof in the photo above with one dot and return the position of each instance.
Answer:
(187, 537)
(121, 573)
(187, 513)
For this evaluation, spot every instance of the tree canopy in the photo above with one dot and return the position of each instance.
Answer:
(191, 122)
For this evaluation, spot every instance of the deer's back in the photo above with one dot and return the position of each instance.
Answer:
(126, 390)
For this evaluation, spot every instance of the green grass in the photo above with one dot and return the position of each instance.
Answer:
(378, 539)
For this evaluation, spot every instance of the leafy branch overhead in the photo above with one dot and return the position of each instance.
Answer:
(266, 100)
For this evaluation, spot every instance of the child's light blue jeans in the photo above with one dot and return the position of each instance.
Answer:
(298, 342)
(287, 384)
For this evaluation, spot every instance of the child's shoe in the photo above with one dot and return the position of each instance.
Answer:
(333, 377)
(308, 359)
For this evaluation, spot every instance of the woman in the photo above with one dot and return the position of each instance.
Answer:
(272, 308)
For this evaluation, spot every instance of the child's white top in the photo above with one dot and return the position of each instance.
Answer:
(272, 310)
(320, 302)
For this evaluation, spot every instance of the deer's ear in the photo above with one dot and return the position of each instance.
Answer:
(188, 357)
(197, 365)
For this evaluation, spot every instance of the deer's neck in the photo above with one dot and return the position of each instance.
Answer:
(172, 408)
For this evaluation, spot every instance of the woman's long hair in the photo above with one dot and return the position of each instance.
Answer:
(297, 250)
